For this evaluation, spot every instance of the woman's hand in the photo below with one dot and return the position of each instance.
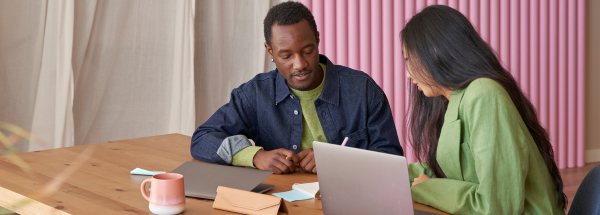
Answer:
(420, 179)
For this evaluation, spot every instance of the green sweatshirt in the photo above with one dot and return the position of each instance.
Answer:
(311, 125)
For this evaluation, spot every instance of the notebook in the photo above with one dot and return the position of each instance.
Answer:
(310, 189)
(202, 179)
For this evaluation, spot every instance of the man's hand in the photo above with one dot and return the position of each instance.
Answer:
(275, 161)
(420, 179)
(307, 162)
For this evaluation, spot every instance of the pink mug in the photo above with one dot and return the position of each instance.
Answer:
(167, 193)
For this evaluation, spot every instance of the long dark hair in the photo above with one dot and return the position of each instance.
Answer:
(442, 46)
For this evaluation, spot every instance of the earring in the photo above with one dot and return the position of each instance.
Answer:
(272, 60)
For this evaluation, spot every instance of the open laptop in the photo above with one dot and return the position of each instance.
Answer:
(358, 181)
(202, 179)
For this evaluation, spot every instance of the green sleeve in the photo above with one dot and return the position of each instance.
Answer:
(416, 169)
(498, 143)
(245, 157)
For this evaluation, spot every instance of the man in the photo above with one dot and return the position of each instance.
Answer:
(306, 98)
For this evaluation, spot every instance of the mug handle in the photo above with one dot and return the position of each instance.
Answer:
(143, 189)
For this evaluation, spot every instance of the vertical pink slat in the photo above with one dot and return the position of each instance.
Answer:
(505, 33)
(376, 52)
(431, 2)
(484, 20)
(474, 14)
(442, 2)
(452, 4)
(534, 53)
(341, 32)
(307, 3)
(420, 4)
(562, 84)
(553, 60)
(495, 25)
(463, 7)
(571, 83)
(410, 10)
(329, 35)
(580, 82)
(544, 65)
(399, 75)
(353, 35)
(365, 36)
(388, 50)
(524, 55)
(317, 10)
(514, 39)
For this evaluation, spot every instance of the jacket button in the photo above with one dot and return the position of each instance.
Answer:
(296, 112)
(292, 96)
(295, 147)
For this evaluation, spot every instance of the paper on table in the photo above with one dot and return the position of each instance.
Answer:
(293, 195)
(311, 189)
(140, 171)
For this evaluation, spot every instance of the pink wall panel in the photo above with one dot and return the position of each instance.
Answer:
(541, 42)
(353, 35)
(534, 72)
(399, 74)
(317, 10)
(514, 39)
(553, 64)
(376, 42)
(571, 83)
(580, 82)
(341, 32)
(505, 33)
(474, 13)
(365, 36)
(329, 31)
(544, 64)
(524, 46)
(388, 49)
(463, 7)
(562, 83)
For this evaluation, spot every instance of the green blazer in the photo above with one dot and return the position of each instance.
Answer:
(491, 162)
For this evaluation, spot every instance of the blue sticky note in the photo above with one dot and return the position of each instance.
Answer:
(293, 195)
(140, 171)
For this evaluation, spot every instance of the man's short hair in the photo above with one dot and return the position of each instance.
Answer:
(287, 13)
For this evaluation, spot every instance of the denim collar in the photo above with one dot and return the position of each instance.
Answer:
(331, 90)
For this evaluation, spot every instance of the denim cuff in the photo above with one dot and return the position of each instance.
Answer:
(232, 145)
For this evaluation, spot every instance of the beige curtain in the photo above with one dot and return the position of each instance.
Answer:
(84, 71)
(229, 49)
(133, 69)
(36, 81)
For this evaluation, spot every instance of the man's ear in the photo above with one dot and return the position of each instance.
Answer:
(318, 39)
(269, 50)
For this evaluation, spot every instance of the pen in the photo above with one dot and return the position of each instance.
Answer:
(345, 141)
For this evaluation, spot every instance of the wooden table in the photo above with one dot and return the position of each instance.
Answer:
(102, 183)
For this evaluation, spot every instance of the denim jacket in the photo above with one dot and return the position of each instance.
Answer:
(265, 110)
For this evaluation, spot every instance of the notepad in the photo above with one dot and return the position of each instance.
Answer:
(292, 196)
(301, 192)
(311, 189)
(140, 171)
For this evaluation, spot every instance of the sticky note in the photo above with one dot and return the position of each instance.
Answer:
(140, 171)
(293, 195)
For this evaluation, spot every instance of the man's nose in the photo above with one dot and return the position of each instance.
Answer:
(300, 63)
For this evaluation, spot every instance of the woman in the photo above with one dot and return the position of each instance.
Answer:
(481, 146)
